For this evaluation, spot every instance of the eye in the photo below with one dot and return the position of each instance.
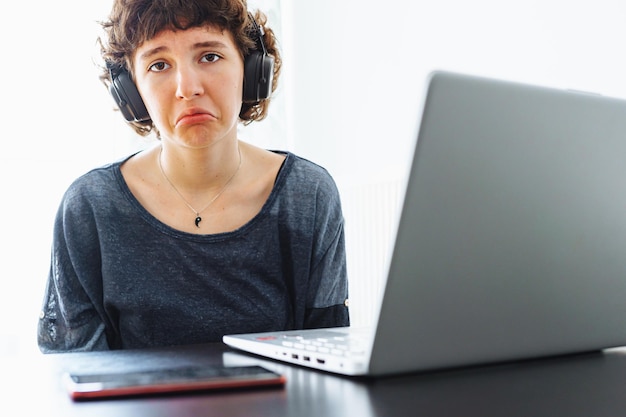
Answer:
(158, 66)
(210, 57)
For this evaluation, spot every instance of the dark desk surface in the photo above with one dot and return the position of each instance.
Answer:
(582, 385)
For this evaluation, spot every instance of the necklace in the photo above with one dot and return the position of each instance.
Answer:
(197, 212)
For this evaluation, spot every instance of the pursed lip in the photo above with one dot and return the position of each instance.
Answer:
(194, 115)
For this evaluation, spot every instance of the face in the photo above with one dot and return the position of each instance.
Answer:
(191, 82)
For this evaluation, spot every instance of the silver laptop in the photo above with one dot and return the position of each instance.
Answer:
(511, 242)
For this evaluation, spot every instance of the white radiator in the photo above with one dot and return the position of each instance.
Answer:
(371, 214)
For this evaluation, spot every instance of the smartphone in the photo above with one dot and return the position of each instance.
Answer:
(171, 380)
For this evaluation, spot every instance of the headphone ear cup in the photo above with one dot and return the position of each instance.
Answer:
(258, 77)
(127, 97)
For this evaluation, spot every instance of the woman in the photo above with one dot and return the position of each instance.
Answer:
(202, 234)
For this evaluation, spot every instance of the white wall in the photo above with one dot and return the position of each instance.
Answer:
(354, 73)
(359, 65)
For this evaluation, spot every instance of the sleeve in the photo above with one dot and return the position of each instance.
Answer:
(327, 297)
(69, 319)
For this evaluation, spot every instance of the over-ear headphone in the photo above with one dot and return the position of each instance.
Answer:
(258, 71)
(126, 95)
(257, 81)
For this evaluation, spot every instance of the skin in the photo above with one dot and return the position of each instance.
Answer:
(191, 82)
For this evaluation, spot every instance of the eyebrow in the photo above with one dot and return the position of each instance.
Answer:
(200, 45)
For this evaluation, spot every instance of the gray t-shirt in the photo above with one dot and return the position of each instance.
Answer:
(120, 278)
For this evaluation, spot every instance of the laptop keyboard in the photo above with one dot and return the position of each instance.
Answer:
(330, 344)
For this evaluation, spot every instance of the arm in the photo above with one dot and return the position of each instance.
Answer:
(327, 298)
(69, 320)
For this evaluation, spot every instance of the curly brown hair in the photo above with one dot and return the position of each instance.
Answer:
(132, 22)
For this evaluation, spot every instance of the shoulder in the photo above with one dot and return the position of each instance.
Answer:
(308, 187)
(305, 166)
(96, 183)
(301, 172)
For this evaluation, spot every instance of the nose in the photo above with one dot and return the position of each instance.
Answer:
(189, 83)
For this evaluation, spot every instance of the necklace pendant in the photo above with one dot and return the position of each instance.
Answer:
(198, 220)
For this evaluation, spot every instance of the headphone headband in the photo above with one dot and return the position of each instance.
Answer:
(258, 34)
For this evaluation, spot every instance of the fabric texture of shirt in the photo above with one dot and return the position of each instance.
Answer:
(120, 278)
